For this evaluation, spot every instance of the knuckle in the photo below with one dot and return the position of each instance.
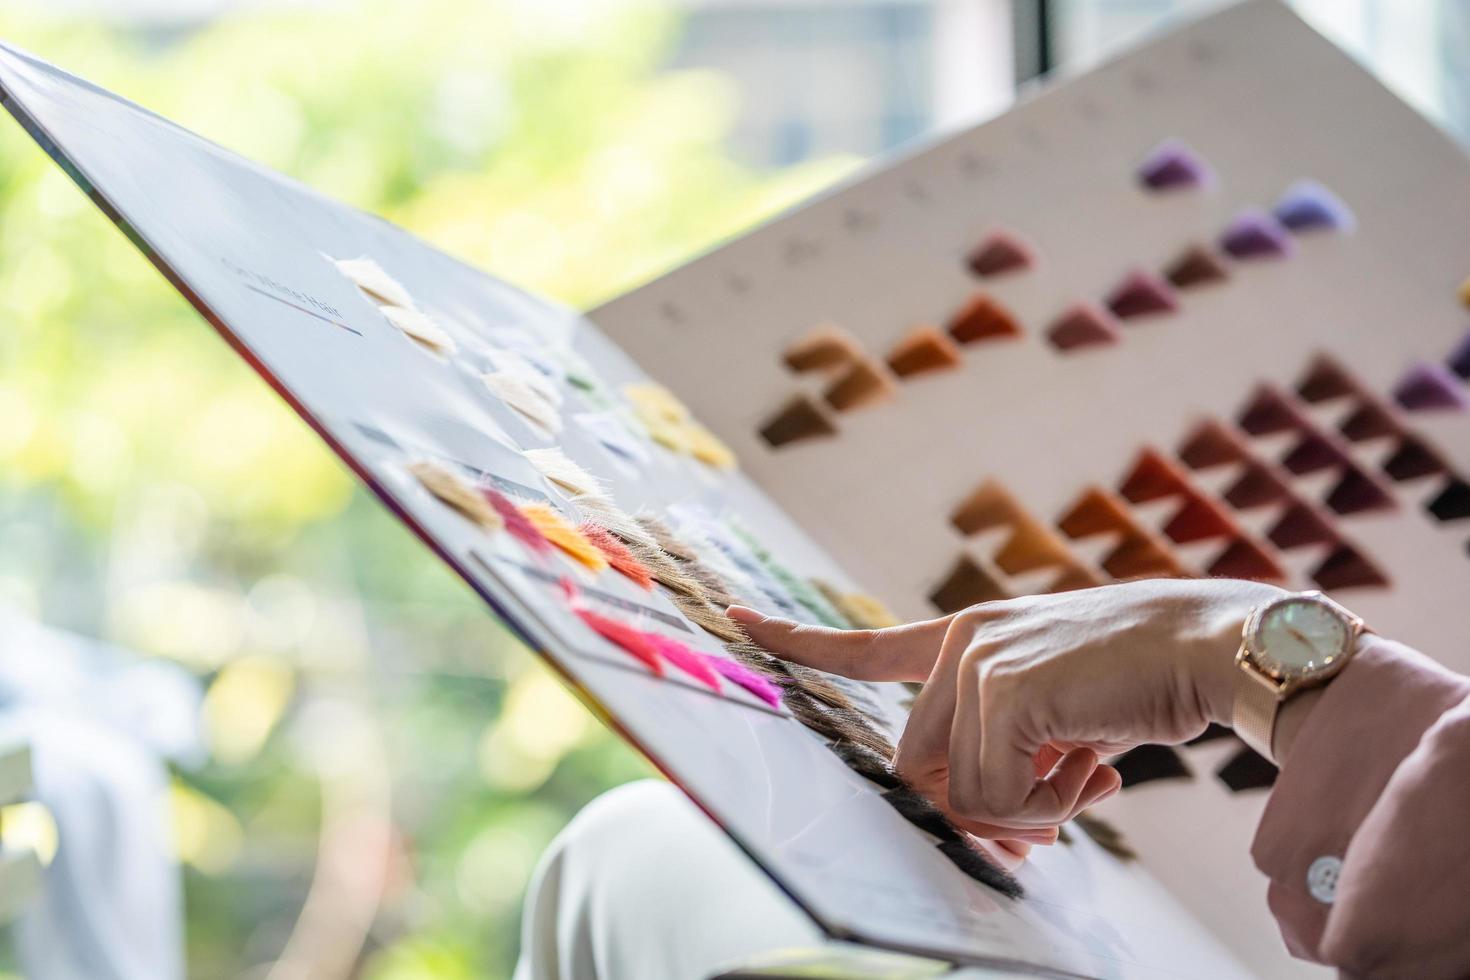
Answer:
(998, 674)
(984, 612)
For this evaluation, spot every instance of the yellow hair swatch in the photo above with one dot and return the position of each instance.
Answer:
(654, 403)
(706, 447)
(860, 609)
(562, 533)
(669, 424)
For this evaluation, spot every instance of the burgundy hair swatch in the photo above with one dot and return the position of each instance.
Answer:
(516, 523)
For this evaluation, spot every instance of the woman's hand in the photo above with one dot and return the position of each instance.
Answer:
(1022, 697)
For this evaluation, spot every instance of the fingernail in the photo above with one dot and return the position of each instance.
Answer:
(744, 614)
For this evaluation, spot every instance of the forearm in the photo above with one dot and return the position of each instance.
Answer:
(1362, 837)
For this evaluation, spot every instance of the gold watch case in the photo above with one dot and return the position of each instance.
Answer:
(1252, 657)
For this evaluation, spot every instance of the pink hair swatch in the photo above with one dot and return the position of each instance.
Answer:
(742, 675)
(654, 648)
(516, 523)
(691, 662)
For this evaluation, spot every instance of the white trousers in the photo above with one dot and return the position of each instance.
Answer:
(642, 886)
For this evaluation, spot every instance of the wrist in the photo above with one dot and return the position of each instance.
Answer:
(1221, 628)
(1289, 722)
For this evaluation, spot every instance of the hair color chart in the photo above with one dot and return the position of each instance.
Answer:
(1178, 316)
(1200, 311)
(609, 526)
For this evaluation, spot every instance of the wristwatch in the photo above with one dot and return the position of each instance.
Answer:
(1288, 645)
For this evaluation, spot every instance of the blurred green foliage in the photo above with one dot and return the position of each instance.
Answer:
(154, 492)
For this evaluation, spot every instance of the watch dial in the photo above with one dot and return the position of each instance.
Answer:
(1299, 636)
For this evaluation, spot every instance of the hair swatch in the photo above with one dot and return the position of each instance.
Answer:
(706, 447)
(1452, 503)
(669, 423)
(1431, 387)
(456, 492)
(516, 523)
(1325, 381)
(799, 419)
(1000, 253)
(560, 469)
(1346, 568)
(603, 512)
(618, 557)
(862, 611)
(824, 348)
(634, 641)
(1254, 234)
(1211, 443)
(664, 569)
(1308, 206)
(655, 403)
(1459, 358)
(375, 281)
(1247, 769)
(1082, 325)
(923, 350)
(421, 329)
(1412, 459)
(688, 660)
(523, 399)
(1141, 294)
(982, 318)
(741, 675)
(1149, 762)
(1195, 266)
(1172, 165)
(793, 584)
(1106, 836)
(562, 533)
(862, 383)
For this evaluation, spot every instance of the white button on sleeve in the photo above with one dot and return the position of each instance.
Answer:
(1322, 878)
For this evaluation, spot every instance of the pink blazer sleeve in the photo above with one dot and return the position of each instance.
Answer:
(1366, 837)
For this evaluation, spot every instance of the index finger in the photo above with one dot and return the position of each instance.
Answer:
(899, 653)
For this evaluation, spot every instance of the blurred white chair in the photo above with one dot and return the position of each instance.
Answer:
(101, 724)
(20, 868)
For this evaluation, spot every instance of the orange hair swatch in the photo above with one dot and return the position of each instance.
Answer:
(562, 533)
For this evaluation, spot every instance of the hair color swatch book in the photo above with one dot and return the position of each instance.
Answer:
(1201, 311)
(1198, 312)
(608, 526)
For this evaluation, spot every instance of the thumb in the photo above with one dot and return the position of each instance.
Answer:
(900, 653)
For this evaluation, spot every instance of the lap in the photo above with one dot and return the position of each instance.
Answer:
(642, 884)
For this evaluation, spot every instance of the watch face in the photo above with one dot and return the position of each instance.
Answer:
(1299, 636)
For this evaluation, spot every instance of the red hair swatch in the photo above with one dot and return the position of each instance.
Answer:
(738, 673)
(516, 523)
(618, 555)
(632, 640)
(689, 661)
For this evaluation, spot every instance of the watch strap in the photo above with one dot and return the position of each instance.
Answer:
(1254, 713)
